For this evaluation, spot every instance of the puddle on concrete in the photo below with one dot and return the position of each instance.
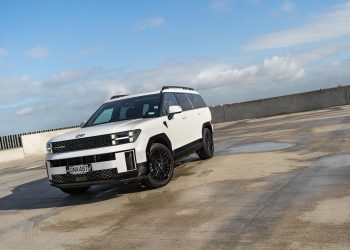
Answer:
(260, 147)
(335, 161)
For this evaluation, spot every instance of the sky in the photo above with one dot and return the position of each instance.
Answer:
(61, 59)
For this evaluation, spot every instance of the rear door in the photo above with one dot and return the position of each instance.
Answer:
(177, 125)
(200, 112)
(190, 118)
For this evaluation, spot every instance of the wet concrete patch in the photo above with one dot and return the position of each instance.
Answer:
(335, 161)
(260, 147)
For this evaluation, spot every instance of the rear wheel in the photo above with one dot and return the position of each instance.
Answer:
(207, 151)
(77, 190)
(160, 166)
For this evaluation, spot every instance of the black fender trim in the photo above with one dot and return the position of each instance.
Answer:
(160, 138)
(207, 125)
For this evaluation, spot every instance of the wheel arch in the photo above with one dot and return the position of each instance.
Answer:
(159, 138)
(208, 126)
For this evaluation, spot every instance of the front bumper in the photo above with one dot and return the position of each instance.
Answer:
(105, 168)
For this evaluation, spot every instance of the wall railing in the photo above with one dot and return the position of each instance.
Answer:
(15, 141)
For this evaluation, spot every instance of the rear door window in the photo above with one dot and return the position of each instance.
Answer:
(197, 101)
(184, 101)
(169, 100)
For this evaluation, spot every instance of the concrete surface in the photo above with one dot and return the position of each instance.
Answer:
(282, 104)
(35, 144)
(274, 183)
(11, 154)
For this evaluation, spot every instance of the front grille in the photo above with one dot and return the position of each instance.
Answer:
(98, 175)
(83, 160)
(82, 144)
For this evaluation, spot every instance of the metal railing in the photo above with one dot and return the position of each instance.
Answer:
(15, 141)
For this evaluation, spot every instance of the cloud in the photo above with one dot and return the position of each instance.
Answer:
(3, 52)
(24, 111)
(317, 54)
(288, 6)
(72, 76)
(220, 5)
(149, 23)
(202, 74)
(330, 25)
(282, 68)
(38, 53)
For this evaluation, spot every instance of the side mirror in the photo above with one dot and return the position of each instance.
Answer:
(82, 124)
(173, 110)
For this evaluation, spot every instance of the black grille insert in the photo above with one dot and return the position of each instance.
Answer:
(82, 144)
(83, 160)
(105, 174)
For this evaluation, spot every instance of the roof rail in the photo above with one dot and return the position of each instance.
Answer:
(176, 87)
(117, 96)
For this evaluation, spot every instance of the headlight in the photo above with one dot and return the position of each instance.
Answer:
(125, 137)
(49, 147)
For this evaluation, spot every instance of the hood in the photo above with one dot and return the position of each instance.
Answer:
(102, 129)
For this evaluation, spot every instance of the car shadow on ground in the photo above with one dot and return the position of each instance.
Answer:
(39, 194)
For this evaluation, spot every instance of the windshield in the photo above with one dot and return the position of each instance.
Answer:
(126, 109)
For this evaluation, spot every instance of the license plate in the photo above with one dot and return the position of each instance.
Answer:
(79, 169)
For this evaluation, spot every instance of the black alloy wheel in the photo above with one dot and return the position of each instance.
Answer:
(207, 150)
(160, 166)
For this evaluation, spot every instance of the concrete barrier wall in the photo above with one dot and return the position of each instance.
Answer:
(11, 154)
(35, 144)
(282, 105)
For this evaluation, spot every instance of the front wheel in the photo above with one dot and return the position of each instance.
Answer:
(207, 150)
(160, 166)
(77, 190)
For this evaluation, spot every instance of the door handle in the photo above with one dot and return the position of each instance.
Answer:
(184, 117)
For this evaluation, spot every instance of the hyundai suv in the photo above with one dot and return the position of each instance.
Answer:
(132, 137)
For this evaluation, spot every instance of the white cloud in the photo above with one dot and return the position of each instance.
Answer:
(288, 6)
(206, 75)
(282, 68)
(220, 5)
(3, 52)
(24, 111)
(330, 25)
(38, 53)
(72, 76)
(149, 23)
(317, 54)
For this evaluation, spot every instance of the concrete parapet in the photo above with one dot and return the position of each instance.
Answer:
(11, 154)
(282, 105)
(35, 144)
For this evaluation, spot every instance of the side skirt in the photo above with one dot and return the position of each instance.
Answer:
(188, 149)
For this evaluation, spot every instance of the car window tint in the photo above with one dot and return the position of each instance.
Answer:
(197, 101)
(184, 102)
(169, 100)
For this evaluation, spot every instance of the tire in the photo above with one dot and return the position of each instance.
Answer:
(160, 166)
(207, 151)
(77, 190)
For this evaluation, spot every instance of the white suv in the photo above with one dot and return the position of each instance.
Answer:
(132, 137)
